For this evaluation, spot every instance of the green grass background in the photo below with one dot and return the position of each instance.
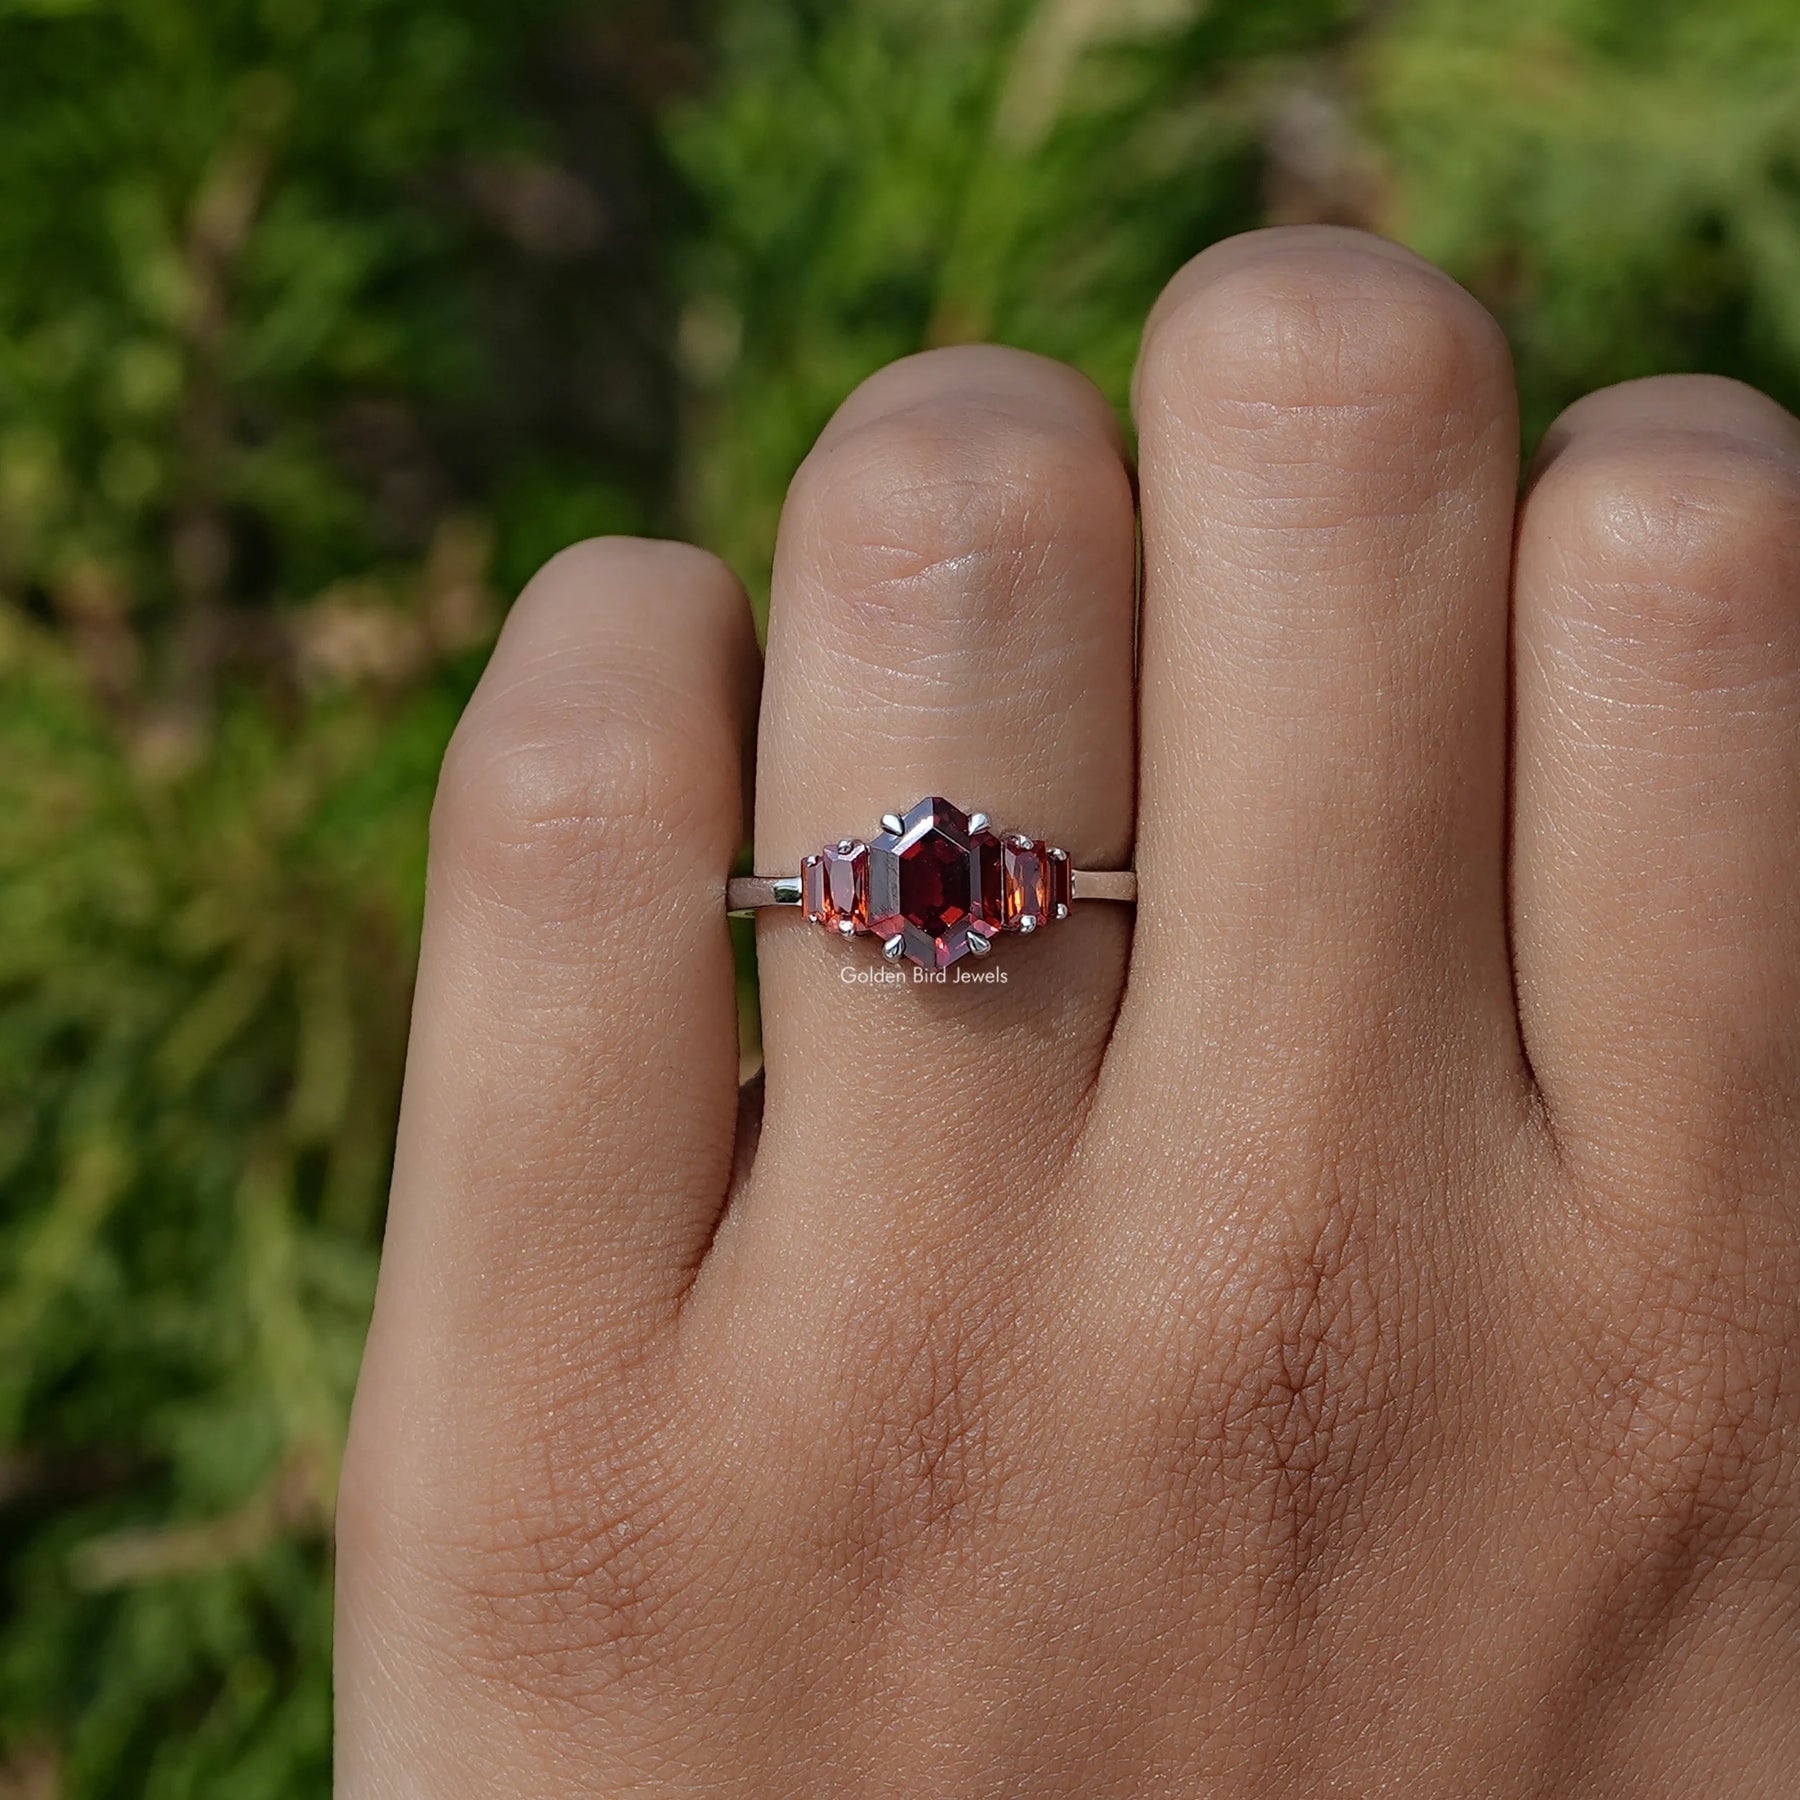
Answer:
(321, 323)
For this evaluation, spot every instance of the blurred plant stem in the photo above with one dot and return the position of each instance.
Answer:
(220, 223)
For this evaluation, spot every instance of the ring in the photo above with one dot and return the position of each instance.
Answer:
(934, 884)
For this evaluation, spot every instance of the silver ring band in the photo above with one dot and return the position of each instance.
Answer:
(750, 893)
(935, 884)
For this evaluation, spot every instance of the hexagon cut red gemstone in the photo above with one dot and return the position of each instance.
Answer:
(931, 881)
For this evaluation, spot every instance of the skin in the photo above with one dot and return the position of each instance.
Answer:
(1336, 1338)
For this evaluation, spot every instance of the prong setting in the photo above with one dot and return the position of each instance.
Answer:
(937, 884)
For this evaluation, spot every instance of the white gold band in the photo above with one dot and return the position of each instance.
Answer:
(749, 893)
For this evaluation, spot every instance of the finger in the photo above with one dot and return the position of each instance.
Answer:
(952, 615)
(1328, 463)
(571, 1089)
(1658, 761)
(568, 1123)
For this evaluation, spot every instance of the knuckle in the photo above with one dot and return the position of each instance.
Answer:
(1694, 1413)
(574, 784)
(604, 735)
(1283, 1396)
(924, 1467)
(553, 1591)
(537, 803)
(554, 1608)
(1331, 330)
(946, 508)
(1299, 1377)
(516, 777)
(1683, 538)
(1686, 1382)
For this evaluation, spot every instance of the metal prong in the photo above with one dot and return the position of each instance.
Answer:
(843, 845)
(978, 821)
(1019, 841)
(1029, 922)
(1059, 855)
(894, 947)
(1062, 909)
(847, 927)
(893, 822)
(979, 945)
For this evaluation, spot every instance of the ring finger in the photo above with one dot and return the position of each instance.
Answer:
(952, 616)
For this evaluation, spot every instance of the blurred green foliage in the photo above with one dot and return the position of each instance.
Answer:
(322, 321)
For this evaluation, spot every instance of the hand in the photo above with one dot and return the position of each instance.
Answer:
(1337, 1340)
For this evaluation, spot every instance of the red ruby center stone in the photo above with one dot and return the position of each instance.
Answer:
(934, 880)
